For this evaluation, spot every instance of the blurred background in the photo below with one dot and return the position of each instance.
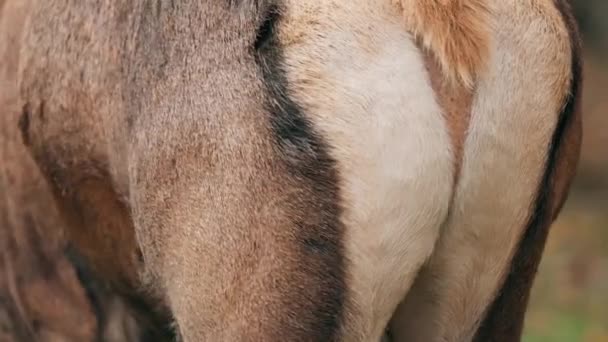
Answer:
(570, 299)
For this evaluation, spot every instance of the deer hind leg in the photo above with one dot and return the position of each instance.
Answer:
(515, 113)
(504, 320)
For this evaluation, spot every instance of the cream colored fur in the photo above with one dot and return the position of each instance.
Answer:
(387, 214)
(513, 118)
(368, 93)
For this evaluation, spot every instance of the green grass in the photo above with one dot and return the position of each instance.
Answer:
(562, 327)
(569, 301)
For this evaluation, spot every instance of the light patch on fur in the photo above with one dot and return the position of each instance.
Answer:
(362, 81)
(515, 112)
(456, 31)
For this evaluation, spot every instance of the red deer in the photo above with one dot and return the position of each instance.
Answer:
(297, 170)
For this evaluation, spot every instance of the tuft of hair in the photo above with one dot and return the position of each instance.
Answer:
(456, 32)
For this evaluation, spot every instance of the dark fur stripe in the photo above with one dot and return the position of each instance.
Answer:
(153, 322)
(505, 319)
(319, 230)
(91, 288)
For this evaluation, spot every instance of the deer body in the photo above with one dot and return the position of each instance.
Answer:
(303, 170)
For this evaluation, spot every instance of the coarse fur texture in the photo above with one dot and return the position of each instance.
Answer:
(47, 292)
(456, 32)
(450, 297)
(287, 170)
(35, 277)
(505, 318)
(373, 84)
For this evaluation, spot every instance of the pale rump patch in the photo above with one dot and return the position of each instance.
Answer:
(514, 114)
(368, 93)
(456, 32)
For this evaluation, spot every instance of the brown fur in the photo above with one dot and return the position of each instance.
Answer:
(128, 144)
(40, 295)
(505, 319)
(456, 101)
(160, 139)
(569, 148)
(456, 32)
(44, 296)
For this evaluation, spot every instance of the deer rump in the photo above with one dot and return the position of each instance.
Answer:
(294, 170)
